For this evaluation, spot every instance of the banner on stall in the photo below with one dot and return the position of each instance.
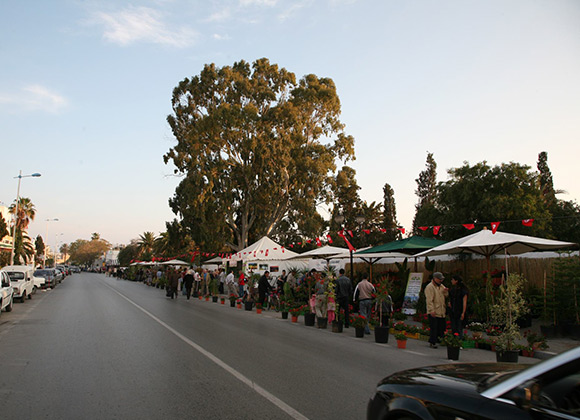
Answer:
(412, 293)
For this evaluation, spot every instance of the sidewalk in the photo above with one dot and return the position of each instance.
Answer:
(555, 345)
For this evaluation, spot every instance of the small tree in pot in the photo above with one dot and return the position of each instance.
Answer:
(508, 307)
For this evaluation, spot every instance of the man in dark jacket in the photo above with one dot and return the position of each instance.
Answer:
(263, 287)
(188, 282)
(343, 294)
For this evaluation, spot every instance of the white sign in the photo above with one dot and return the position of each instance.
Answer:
(412, 293)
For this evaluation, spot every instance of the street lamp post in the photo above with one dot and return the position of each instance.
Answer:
(46, 244)
(339, 218)
(20, 176)
(56, 235)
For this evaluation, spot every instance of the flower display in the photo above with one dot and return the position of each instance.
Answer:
(358, 321)
(451, 339)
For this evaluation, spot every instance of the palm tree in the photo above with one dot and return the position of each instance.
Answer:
(23, 247)
(145, 243)
(26, 212)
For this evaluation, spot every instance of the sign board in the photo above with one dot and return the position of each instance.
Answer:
(412, 293)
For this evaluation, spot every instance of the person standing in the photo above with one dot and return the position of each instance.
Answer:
(222, 279)
(263, 287)
(364, 292)
(457, 304)
(231, 283)
(321, 305)
(241, 284)
(173, 282)
(435, 294)
(343, 293)
(188, 282)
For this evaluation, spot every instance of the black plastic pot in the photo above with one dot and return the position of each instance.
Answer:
(284, 315)
(248, 306)
(507, 356)
(453, 353)
(381, 334)
(336, 327)
(321, 322)
(309, 319)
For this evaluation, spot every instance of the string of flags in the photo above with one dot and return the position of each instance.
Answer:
(328, 239)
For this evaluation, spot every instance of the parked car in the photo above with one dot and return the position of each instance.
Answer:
(21, 280)
(49, 275)
(64, 269)
(38, 283)
(59, 275)
(547, 390)
(6, 292)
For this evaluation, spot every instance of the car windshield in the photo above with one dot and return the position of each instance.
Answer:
(492, 380)
(41, 273)
(16, 275)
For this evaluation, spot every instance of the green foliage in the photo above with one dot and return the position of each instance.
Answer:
(83, 252)
(509, 306)
(3, 227)
(390, 215)
(563, 292)
(250, 147)
(128, 254)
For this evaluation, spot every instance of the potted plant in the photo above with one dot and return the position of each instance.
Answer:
(536, 341)
(401, 340)
(295, 312)
(384, 305)
(258, 308)
(283, 307)
(222, 300)
(453, 343)
(233, 299)
(358, 322)
(476, 329)
(509, 306)
(338, 323)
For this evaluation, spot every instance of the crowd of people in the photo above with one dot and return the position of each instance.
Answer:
(441, 302)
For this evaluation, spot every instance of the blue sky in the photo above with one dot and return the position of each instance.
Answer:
(85, 89)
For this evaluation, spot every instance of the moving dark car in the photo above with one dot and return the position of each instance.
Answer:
(547, 390)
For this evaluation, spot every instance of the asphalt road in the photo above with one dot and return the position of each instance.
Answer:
(101, 348)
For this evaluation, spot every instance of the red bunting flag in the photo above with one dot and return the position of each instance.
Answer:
(282, 248)
(383, 230)
(528, 222)
(423, 228)
(291, 245)
(402, 230)
(308, 240)
(267, 252)
(494, 226)
(350, 247)
(329, 239)
(436, 230)
(367, 231)
(318, 242)
(469, 226)
(299, 243)
(350, 233)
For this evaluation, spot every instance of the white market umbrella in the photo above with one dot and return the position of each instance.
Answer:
(325, 252)
(487, 244)
(263, 250)
(174, 262)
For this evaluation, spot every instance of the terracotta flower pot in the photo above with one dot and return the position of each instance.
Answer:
(294, 318)
(402, 344)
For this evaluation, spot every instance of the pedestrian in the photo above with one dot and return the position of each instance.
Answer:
(188, 282)
(197, 280)
(321, 305)
(280, 283)
(241, 284)
(173, 282)
(457, 304)
(343, 294)
(231, 283)
(435, 294)
(264, 287)
(364, 292)
(222, 280)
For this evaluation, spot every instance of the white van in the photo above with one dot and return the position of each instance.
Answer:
(6, 293)
(21, 278)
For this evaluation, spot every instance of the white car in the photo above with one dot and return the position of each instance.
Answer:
(6, 293)
(21, 278)
(38, 283)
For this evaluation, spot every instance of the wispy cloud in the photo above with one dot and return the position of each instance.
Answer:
(292, 9)
(220, 16)
(269, 3)
(143, 24)
(35, 98)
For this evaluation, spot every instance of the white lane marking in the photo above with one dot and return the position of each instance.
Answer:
(270, 397)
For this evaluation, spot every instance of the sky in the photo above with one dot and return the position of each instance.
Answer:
(85, 91)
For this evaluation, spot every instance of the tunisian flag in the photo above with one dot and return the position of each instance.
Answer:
(469, 226)
(350, 247)
(494, 226)
(436, 230)
(528, 222)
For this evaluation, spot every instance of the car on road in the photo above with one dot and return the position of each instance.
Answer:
(547, 390)
(38, 283)
(6, 292)
(49, 275)
(21, 280)
(59, 275)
